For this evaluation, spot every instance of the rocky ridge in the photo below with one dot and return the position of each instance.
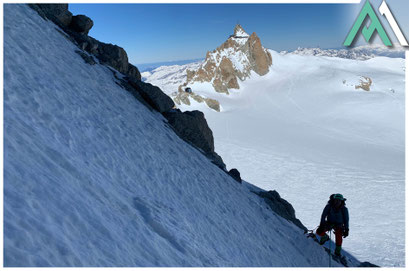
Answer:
(234, 60)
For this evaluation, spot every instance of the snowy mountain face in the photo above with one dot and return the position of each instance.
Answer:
(234, 60)
(93, 177)
(321, 124)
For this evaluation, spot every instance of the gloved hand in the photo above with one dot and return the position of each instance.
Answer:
(345, 233)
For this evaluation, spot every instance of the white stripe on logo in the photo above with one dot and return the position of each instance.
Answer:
(384, 10)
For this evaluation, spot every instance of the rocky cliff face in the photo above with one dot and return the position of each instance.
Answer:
(234, 59)
(77, 28)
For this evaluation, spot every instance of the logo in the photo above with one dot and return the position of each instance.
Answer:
(368, 32)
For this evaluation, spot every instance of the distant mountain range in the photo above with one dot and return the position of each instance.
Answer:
(151, 66)
(360, 53)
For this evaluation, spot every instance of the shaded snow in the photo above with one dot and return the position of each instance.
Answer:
(93, 178)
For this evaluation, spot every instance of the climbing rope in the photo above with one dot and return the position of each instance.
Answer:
(329, 252)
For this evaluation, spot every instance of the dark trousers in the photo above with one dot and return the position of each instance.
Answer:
(322, 229)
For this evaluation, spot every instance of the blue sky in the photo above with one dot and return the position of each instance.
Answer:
(168, 32)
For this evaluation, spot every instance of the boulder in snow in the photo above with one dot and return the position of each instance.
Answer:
(235, 174)
(81, 24)
(114, 56)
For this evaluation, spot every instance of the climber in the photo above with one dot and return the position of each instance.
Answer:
(335, 216)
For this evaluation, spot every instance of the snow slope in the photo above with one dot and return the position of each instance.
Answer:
(174, 76)
(306, 130)
(93, 178)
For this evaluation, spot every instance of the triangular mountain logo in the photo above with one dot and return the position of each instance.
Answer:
(367, 32)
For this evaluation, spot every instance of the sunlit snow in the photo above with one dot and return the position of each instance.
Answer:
(305, 130)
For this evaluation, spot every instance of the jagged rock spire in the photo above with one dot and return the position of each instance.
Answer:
(234, 60)
(239, 31)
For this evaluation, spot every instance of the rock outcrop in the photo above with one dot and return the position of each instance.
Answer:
(192, 127)
(82, 24)
(77, 27)
(153, 95)
(364, 83)
(184, 97)
(235, 174)
(280, 206)
(234, 60)
(58, 13)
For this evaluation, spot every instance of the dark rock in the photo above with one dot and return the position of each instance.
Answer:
(87, 58)
(367, 264)
(192, 127)
(58, 13)
(124, 84)
(235, 174)
(280, 206)
(133, 72)
(85, 42)
(81, 24)
(108, 54)
(113, 55)
(217, 160)
(153, 95)
(77, 27)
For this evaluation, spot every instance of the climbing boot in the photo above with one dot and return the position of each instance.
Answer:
(337, 251)
(324, 239)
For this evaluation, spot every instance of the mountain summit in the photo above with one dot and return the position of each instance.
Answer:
(240, 54)
(239, 32)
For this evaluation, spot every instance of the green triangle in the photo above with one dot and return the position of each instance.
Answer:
(367, 32)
